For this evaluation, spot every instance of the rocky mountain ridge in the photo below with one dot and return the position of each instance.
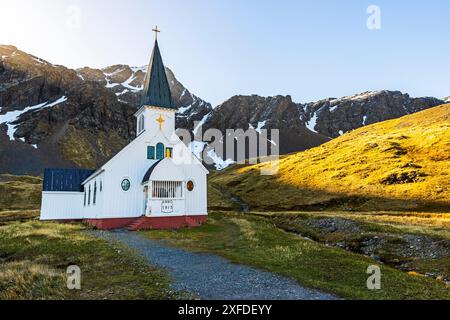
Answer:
(54, 116)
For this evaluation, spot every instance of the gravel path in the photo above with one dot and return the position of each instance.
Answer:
(211, 277)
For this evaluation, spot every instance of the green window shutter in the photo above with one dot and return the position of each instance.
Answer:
(151, 153)
(160, 151)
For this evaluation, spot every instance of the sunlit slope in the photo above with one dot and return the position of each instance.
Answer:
(397, 164)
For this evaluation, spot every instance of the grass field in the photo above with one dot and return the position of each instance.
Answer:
(34, 257)
(257, 242)
(377, 195)
(20, 192)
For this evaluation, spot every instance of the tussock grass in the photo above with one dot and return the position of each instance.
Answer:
(34, 257)
(401, 164)
(27, 280)
(20, 192)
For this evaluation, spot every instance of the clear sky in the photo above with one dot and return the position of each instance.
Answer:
(219, 48)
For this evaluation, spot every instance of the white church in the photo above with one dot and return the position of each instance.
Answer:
(155, 182)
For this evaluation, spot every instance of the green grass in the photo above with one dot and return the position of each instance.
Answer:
(390, 227)
(34, 257)
(254, 241)
(20, 192)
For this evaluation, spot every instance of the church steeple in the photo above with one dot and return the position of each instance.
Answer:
(156, 87)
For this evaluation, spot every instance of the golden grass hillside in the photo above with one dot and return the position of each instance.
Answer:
(401, 164)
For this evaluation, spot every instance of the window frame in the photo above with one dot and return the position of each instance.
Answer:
(170, 149)
(151, 155)
(174, 188)
(94, 200)
(141, 124)
(129, 184)
(160, 147)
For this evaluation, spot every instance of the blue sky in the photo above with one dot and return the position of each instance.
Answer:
(308, 49)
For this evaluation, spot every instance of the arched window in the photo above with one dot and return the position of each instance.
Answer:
(160, 151)
(101, 185)
(85, 196)
(95, 193)
(89, 196)
(141, 123)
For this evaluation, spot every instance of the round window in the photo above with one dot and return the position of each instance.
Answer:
(126, 184)
(190, 185)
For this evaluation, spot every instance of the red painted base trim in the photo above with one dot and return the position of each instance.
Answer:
(110, 224)
(146, 223)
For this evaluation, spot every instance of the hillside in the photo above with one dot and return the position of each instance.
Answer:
(401, 164)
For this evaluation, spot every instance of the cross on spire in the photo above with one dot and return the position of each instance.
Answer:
(156, 31)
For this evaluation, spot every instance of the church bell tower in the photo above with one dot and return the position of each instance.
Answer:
(157, 110)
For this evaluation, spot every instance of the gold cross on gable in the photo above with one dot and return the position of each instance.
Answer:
(160, 120)
(156, 31)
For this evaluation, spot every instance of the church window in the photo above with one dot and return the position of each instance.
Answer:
(126, 184)
(89, 196)
(160, 151)
(169, 153)
(151, 153)
(85, 196)
(167, 189)
(190, 185)
(101, 185)
(95, 193)
(141, 123)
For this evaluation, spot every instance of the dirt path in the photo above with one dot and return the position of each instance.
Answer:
(211, 277)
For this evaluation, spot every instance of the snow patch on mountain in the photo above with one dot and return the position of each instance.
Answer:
(201, 123)
(13, 116)
(311, 124)
(364, 120)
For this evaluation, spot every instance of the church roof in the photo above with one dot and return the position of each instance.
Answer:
(156, 87)
(149, 172)
(65, 180)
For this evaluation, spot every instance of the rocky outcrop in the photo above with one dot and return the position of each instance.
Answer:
(334, 117)
(279, 112)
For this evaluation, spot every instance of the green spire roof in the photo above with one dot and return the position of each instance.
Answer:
(156, 87)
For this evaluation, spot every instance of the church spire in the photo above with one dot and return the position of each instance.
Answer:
(156, 87)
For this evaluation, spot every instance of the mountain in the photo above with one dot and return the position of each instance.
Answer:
(400, 164)
(279, 112)
(303, 126)
(52, 116)
(333, 117)
(127, 83)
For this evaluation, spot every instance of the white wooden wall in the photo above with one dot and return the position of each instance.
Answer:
(62, 205)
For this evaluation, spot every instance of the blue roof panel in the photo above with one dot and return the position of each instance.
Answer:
(68, 180)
